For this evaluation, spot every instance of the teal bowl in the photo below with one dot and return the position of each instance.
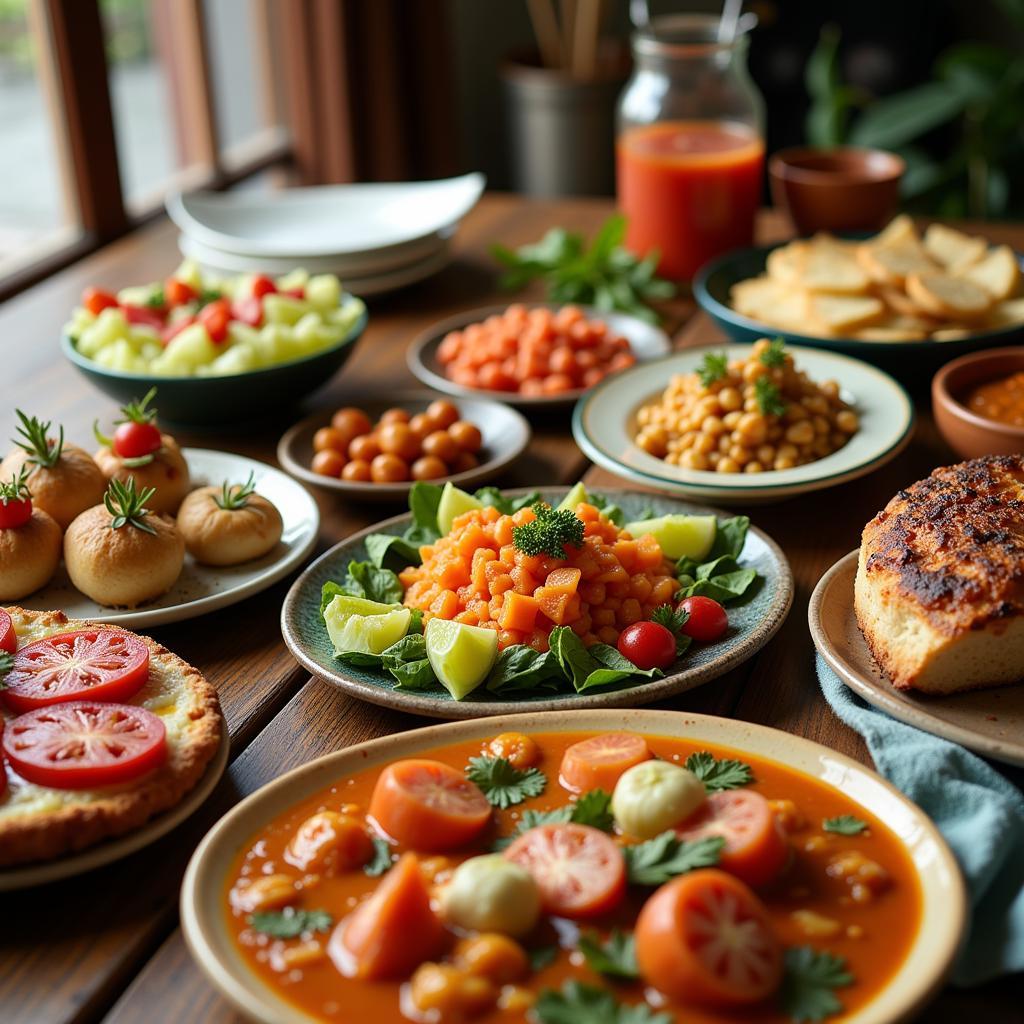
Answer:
(213, 401)
(911, 361)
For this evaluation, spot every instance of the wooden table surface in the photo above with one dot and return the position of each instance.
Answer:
(106, 946)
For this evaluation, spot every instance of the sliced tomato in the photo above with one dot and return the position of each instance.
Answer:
(96, 300)
(598, 762)
(144, 315)
(82, 744)
(756, 849)
(214, 316)
(428, 805)
(177, 293)
(706, 938)
(579, 870)
(98, 664)
(8, 638)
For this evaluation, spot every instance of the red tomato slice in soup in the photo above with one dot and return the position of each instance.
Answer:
(98, 664)
(83, 744)
(8, 638)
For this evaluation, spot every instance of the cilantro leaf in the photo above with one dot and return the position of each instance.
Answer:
(380, 862)
(290, 923)
(768, 397)
(541, 957)
(666, 856)
(593, 808)
(844, 825)
(576, 1003)
(717, 775)
(615, 956)
(550, 533)
(714, 366)
(809, 983)
(502, 784)
(774, 355)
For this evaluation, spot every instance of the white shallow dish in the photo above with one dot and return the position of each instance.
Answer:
(604, 425)
(204, 920)
(327, 220)
(29, 875)
(202, 588)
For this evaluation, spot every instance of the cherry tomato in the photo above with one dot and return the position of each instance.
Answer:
(101, 664)
(579, 870)
(708, 620)
(598, 762)
(248, 309)
(15, 512)
(648, 645)
(82, 744)
(428, 805)
(133, 440)
(706, 938)
(8, 638)
(756, 850)
(171, 331)
(96, 300)
(144, 315)
(263, 285)
(214, 316)
(177, 293)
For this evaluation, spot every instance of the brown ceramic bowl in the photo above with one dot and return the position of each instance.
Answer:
(967, 433)
(841, 189)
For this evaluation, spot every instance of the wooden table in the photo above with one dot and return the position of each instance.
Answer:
(106, 946)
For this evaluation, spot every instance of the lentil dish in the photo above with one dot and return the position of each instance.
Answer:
(512, 879)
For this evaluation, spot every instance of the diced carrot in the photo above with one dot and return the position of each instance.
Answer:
(566, 579)
(519, 612)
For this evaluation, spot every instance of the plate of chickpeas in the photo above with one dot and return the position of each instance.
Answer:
(745, 423)
(378, 448)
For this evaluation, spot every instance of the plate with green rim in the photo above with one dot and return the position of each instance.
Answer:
(752, 624)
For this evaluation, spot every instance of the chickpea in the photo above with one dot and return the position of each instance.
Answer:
(516, 748)
(357, 471)
(847, 421)
(387, 468)
(496, 957)
(449, 993)
(268, 892)
(395, 415)
(800, 433)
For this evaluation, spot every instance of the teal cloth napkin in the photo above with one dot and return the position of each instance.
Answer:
(980, 813)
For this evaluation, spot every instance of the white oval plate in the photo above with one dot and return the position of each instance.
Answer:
(505, 436)
(204, 588)
(604, 425)
(647, 341)
(327, 220)
(29, 875)
(916, 981)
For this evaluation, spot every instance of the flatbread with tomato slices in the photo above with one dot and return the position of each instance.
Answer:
(39, 822)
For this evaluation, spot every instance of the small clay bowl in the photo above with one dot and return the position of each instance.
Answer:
(967, 433)
(841, 189)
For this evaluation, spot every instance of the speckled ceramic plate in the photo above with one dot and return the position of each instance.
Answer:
(990, 722)
(751, 625)
(204, 588)
(604, 425)
(916, 981)
(505, 436)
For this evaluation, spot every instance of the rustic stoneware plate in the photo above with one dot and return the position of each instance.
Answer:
(751, 625)
(505, 437)
(604, 425)
(204, 588)
(647, 341)
(990, 722)
(203, 911)
(30, 875)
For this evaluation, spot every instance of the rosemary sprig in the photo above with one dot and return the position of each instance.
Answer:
(127, 507)
(16, 489)
(34, 441)
(235, 496)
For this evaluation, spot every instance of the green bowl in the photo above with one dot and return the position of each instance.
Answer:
(908, 360)
(210, 401)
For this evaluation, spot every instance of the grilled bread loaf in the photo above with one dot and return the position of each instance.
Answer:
(939, 594)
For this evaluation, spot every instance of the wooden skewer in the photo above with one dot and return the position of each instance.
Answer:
(545, 27)
(585, 37)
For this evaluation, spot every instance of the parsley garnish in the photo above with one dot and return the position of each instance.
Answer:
(503, 785)
(615, 957)
(289, 923)
(380, 862)
(844, 825)
(807, 992)
(714, 366)
(666, 856)
(769, 398)
(541, 957)
(673, 619)
(588, 1004)
(550, 532)
(6, 664)
(774, 355)
(593, 808)
(716, 775)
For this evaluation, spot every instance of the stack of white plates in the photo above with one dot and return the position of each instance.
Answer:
(376, 238)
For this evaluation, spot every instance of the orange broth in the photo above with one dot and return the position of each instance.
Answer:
(884, 927)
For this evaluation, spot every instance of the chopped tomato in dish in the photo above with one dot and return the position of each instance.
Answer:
(598, 762)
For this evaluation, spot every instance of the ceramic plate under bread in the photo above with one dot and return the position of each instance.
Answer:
(989, 722)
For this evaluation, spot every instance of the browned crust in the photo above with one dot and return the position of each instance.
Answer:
(953, 544)
(37, 836)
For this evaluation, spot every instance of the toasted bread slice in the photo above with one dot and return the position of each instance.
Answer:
(772, 303)
(953, 298)
(891, 264)
(840, 314)
(998, 273)
(832, 268)
(1006, 314)
(786, 263)
(953, 249)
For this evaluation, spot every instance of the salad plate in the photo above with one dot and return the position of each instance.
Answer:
(753, 621)
(200, 588)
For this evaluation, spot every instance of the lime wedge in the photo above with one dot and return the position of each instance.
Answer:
(454, 503)
(364, 632)
(679, 536)
(576, 494)
(460, 655)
